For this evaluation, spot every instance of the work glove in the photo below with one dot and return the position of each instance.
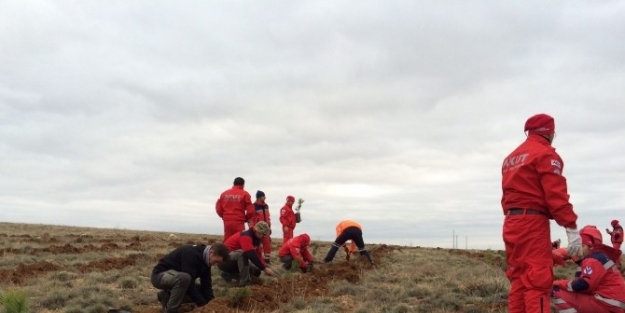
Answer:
(574, 247)
(563, 284)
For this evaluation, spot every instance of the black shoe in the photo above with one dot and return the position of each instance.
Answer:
(163, 298)
(287, 266)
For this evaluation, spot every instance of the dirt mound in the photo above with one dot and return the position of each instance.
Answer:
(23, 271)
(274, 292)
(106, 264)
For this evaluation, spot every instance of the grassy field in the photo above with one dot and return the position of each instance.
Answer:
(89, 270)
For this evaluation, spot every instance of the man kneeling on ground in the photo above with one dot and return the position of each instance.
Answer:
(296, 249)
(244, 247)
(176, 272)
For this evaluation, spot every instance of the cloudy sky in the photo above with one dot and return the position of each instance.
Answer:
(398, 114)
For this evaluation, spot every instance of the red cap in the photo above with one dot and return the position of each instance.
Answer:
(290, 198)
(587, 240)
(540, 124)
(590, 235)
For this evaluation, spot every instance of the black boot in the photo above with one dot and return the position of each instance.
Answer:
(330, 256)
(367, 255)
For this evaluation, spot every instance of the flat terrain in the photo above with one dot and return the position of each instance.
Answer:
(74, 269)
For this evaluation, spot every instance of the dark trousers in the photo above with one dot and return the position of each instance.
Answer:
(350, 233)
(176, 282)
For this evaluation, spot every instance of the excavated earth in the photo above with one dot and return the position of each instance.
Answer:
(273, 292)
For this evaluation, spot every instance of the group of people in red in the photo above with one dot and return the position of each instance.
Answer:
(535, 192)
(245, 251)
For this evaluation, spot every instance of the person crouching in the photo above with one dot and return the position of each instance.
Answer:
(296, 249)
(598, 287)
(176, 272)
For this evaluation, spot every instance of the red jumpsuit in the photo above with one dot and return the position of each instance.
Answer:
(298, 249)
(560, 256)
(262, 214)
(247, 242)
(534, 191)
(234, 206)
(287, 219)
(616, 237)
(597, 288)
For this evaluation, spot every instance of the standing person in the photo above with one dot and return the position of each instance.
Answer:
(296, 249)
(244, 248)
(287, 219)
(348, 230)
(598, 286)
(534, 191)
(616, 235)
(261, 210)
(176, 272)
(235, 208)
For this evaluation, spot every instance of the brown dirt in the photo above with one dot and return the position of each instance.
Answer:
(71, 249)
(106, 264)
(23, 271)
(274, 292)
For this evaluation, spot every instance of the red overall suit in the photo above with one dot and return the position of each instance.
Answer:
(298, 249)
(559, 256)
(287, 219)
(249, 244)
(261, 210)
(234, 206)
(534, 191)
(616, 235)
(598, 286)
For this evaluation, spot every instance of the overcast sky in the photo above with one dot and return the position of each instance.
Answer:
(398, 114)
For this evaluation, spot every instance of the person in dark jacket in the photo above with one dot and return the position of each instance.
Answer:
(176, 272)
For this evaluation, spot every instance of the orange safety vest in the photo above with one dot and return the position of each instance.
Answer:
(345, 224)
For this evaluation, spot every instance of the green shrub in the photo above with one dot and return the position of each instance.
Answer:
(14, 301)
(235, 299)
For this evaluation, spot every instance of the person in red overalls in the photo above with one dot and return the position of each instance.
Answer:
(235, 208)
(244, 248)
(296, 249)
(598, 287)
(262, 214)
(534, 191)
(616, 235)
(287, 219)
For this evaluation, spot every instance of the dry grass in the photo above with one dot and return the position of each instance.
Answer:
(72, 269)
